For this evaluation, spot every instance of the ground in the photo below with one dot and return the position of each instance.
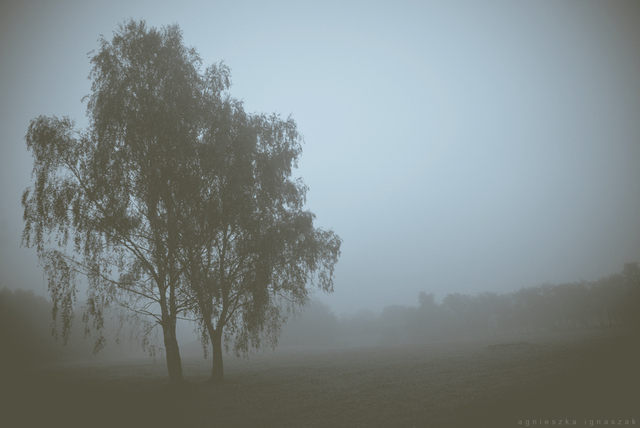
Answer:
(505, 381)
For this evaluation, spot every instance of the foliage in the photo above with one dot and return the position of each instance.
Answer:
(174, 202)
(104, 197)
(253, 249)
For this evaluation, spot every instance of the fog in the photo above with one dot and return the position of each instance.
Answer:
(455, 147)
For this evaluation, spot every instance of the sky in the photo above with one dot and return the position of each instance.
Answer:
(455, 146)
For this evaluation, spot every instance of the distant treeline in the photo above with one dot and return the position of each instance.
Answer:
(610, 302)
(26, 324)
(28, 334)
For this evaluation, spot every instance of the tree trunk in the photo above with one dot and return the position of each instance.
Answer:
(215, 336)
(174, 364)
(217, 368)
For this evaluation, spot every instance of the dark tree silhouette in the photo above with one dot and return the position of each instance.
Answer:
(252, 252)
(174, 201)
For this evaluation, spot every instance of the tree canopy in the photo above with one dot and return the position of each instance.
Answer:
(174, 201)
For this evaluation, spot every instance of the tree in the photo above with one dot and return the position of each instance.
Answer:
(151, 203)
(252, 254)
(106, 195)
(631, 279)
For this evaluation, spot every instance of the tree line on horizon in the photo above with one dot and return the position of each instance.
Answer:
(609, 302)
(612, 302)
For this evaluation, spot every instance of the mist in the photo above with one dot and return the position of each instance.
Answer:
(455, 147)
(479, 161)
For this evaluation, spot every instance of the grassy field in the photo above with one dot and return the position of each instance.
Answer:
(505, 381)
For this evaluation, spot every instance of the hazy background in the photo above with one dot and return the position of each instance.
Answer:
(454, 146)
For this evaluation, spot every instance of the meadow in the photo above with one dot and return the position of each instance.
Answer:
(581, 376)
